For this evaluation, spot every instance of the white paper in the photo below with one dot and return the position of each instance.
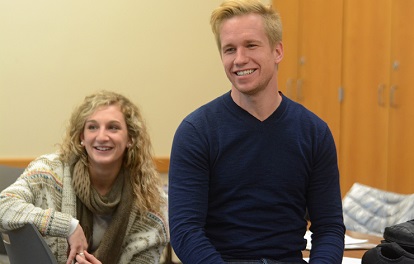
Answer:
(350, 242)
(346, 260)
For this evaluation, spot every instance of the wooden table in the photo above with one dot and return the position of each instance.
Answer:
(356, 253)
(350, 253)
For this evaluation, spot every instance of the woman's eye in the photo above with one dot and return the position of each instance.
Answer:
(114, 128)
(92, 127)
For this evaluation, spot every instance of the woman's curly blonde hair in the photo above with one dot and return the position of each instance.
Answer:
(138, 158)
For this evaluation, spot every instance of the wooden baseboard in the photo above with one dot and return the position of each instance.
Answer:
(162, 164)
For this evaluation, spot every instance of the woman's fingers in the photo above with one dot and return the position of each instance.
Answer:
(86, 258)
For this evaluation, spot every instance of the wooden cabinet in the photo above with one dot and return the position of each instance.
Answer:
(288, 69)
(401, 111)
(310, 72)
(376, 114)
(365, 80)
(365, 47)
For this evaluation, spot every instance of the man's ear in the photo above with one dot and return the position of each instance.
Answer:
(278, 52)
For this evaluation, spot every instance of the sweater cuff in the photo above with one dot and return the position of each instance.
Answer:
(59, 224)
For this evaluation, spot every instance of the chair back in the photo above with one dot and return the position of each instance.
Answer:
(26, 245)
(370, 210)
(8, 175)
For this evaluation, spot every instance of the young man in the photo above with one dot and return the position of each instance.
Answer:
(246, 167)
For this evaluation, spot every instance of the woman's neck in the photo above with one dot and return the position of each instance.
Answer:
(102, 179)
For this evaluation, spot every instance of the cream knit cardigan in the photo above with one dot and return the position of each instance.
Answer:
(43, 195)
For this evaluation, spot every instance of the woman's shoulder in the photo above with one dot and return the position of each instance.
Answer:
(48, 164)
(51, 160)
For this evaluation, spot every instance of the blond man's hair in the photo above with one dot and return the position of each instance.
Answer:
(231, 8)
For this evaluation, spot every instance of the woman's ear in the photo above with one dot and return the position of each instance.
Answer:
(130, 142)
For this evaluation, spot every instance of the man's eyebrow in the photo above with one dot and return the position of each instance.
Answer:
(227, 46)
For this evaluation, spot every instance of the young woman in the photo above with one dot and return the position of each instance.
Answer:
(97, 200)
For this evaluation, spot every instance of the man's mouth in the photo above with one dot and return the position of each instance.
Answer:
(245, 72)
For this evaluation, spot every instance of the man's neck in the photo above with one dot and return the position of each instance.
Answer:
(260, 105)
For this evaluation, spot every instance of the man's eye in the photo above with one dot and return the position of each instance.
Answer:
(229, 50)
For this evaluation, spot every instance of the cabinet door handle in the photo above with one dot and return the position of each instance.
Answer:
(392, 96)
(380, 91)
(289, 88)
(299, 89)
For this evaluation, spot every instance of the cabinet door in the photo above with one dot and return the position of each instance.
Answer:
(320, 60)
(364, 110)
(310, 72)
(401, 122)
(288, 68)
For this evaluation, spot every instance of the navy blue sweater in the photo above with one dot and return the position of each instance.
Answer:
(239, 187)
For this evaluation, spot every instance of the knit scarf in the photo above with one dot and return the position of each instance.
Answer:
(118, 203)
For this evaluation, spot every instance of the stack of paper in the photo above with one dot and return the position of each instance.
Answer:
(350, 242)
(346, 260)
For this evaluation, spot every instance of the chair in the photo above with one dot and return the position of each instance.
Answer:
(26, 245)
(8, 175)
(370, 210)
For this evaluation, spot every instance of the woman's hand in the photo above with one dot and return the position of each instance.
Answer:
(77, 244)
(86, 258)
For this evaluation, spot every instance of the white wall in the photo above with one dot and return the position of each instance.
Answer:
(52, 53)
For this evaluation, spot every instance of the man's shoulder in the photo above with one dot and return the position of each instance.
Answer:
(303, 113)
(208, 110)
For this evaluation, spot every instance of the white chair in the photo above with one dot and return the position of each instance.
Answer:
(369, 210)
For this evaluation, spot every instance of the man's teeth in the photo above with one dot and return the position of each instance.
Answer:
(241, 73)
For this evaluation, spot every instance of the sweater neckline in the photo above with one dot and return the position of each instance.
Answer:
(277, 114)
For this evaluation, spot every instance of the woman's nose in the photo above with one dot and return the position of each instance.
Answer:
(102, 135)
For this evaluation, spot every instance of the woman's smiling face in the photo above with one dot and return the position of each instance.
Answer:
(105, 137)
